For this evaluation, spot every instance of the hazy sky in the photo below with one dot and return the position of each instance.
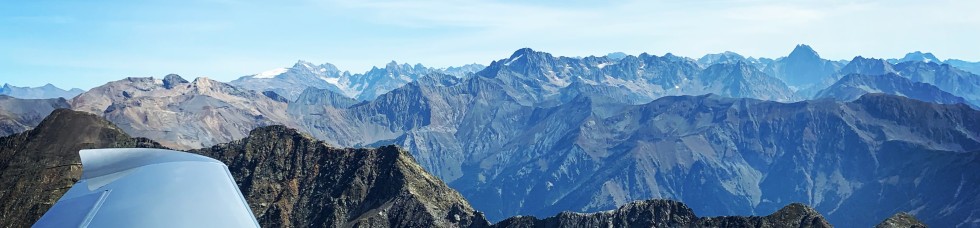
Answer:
(85, 44)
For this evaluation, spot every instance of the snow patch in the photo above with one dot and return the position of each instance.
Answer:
(270, 73)
(514, 59)
(334, 81)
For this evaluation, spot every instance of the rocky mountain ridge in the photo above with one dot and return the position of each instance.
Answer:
(853, 86)
(208, 111)
(667, 213)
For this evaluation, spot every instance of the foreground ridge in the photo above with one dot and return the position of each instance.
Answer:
(293, 180)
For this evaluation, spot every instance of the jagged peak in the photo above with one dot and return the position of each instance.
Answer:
(522, 52)
(866, 59)
(206, 83)
(803, 51)
(303, 64)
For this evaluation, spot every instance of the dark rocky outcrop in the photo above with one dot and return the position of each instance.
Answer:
(793, 215)
(668, 213)
(39, 165)
(293, 180)
(172, 80)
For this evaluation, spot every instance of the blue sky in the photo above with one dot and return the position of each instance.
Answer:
(85, 44)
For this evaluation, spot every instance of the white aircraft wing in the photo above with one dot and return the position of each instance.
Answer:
(150, 188)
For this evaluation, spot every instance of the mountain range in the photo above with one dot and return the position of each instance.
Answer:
(510, 157)
(322, 185)
(290, 82)
(943, 76)
(535, 134)
(42, 92)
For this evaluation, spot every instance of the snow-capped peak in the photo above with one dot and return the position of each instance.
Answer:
(271, 73)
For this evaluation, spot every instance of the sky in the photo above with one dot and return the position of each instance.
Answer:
(85, 44)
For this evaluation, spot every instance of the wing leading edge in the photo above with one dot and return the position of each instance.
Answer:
(133, 187)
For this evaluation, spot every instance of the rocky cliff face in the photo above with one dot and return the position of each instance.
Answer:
(18, 115)
(182, 114)
(39, 165)
(293, 180)
(667, 213)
